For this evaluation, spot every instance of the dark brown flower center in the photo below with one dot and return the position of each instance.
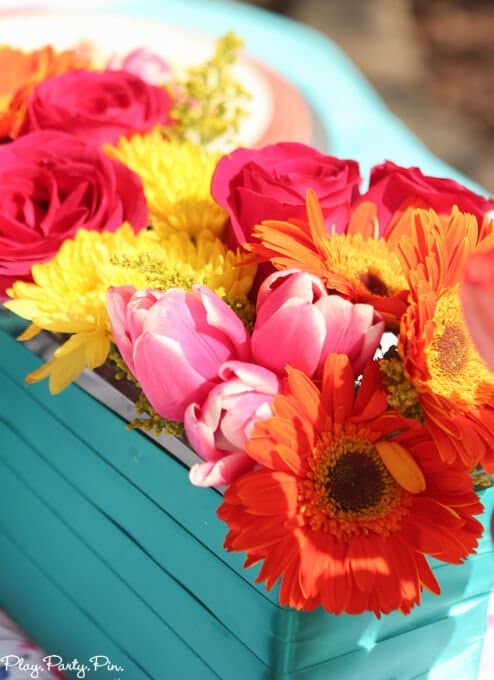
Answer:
(374, 283)
(355, 482)
(348, 489)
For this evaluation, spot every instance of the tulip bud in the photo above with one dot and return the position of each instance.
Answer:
(174, 343)
(218, 429)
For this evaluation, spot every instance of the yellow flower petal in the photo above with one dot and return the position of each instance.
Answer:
(83, 350)
(64, 371)
(27, 309)
(97, 349)
(31, 331)
(94, 347)
(60, 371)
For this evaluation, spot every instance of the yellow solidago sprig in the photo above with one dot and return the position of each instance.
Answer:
(68, 293)
(147, 418)
(209, 101)
(177, 177)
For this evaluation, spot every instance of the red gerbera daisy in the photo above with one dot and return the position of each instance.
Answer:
(350, 498)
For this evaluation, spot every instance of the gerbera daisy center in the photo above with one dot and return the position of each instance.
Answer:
(349, 489)
(455, 367)
(374, 284)
(451, 347)
(355, 482)
(367, 261)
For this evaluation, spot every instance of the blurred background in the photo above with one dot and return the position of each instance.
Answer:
(432, 61)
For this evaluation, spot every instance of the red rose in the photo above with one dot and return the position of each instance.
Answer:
(393, 189)
(96, 106)
(271, 183)
(52, 184)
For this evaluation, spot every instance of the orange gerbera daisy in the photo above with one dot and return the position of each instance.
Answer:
(454, 387)
(21, 71)
(350, 498)
(357, 264)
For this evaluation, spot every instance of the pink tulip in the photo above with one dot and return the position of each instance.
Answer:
(299, 324)
(175, 342)
(477, 296)
(127, 308)
(218, 429)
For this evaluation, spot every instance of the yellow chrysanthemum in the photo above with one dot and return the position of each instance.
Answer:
(69, 292)
(176, 178)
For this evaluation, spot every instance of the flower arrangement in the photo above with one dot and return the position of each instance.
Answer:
(309, 340)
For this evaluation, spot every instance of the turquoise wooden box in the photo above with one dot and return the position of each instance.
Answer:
(106, 547)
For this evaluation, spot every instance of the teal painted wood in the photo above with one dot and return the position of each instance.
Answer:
(440, 650)
(100, 593)
(33, 598)
(96, 456)
(135, 457)
(297, 645)
(123, 555)
(123, 546)
(10, 323)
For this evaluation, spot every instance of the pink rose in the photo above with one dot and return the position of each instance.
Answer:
(299, 324)
(96, 106)
(477, 296)
(52, 185)
(175, 342)
(270, 184)
(218, 429)
(393, 189)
